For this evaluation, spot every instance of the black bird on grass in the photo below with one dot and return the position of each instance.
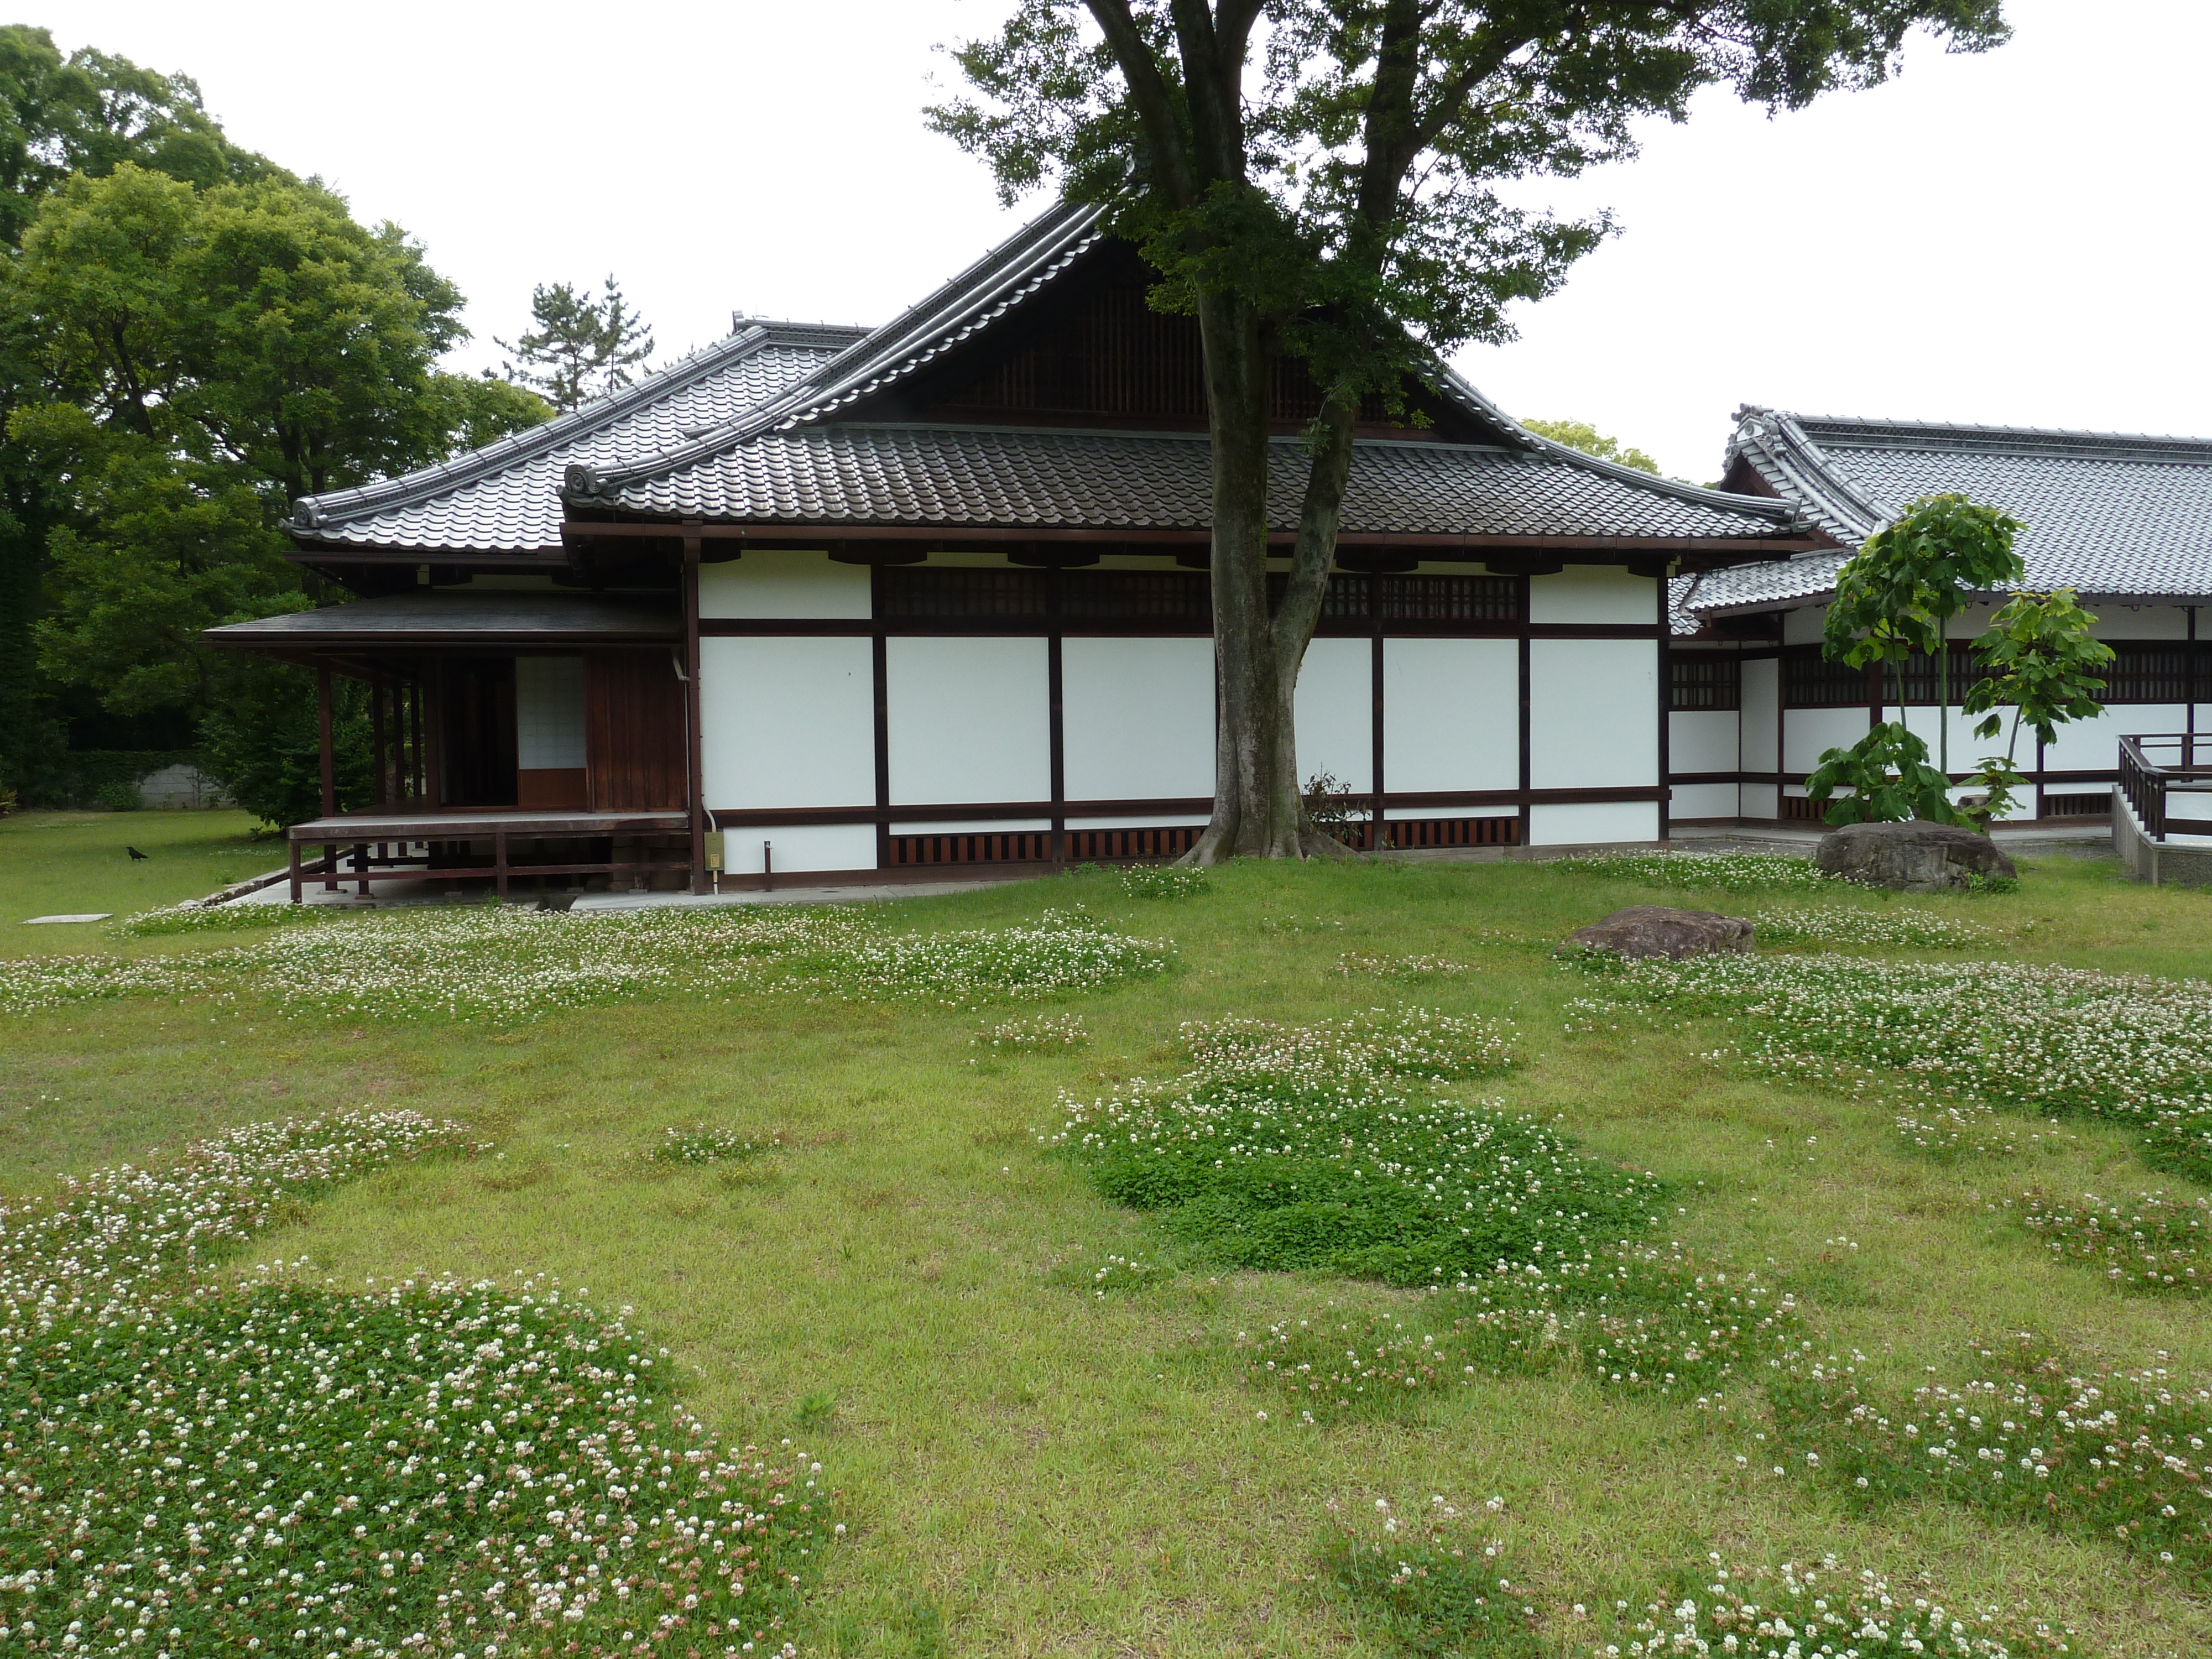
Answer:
(136, 857)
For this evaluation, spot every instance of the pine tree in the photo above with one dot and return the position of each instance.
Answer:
(582, 348)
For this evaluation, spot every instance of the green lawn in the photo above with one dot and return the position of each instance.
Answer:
(1026, 1468)
(69, 863)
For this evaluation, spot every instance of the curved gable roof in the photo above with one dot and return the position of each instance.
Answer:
(505, 497)
(2119, 515)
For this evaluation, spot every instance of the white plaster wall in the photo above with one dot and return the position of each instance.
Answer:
(2138, 621)
(1396, 814)
(2095, 744)
(1802, 626)
(967, 826)
(1592, 714)
(801, 846)
(1451, 715)
(1594, 593)
(970, 720)
(1703, 740)
(1336, 713)
(1593, 822)
(1703, 800)
(787, 722)
(1137, 718)
(1149, 821)
(1812, 730)
(549, 713)
(1760, 801)
(1761, 699)
(785, 585)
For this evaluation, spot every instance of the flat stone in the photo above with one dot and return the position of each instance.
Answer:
(89, 915)
(1653, 930)
(1910, 857)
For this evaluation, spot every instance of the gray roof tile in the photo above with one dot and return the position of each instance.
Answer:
(1017, 477)
(506, 496)
(2113, 514)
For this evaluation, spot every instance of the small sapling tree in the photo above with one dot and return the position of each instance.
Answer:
(1895, 596)
(2041, 662)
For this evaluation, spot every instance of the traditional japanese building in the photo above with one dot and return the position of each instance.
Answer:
(2125, 521)
(832, 600)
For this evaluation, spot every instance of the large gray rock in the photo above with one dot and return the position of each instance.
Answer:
(1653, 930)
(1910, 857)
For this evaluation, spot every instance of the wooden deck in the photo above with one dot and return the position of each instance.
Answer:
(475, 823)
(379, 846)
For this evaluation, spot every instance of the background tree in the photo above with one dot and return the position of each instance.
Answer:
(1581, 434)
(582, 348)
(85, 114)
(202, 356)
(1321, 179)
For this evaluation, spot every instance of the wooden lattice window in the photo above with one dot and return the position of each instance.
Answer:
(918, 590)
(1470, 599)
(1810, 680)
(1708, 680)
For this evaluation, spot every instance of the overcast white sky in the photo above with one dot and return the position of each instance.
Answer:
(2016, 238)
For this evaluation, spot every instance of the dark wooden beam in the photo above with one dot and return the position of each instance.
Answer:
(696, 796)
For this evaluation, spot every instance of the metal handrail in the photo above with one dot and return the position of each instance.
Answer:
(2148, 783)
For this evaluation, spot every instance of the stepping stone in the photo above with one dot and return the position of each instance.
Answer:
(89, 915)
(1653, 930)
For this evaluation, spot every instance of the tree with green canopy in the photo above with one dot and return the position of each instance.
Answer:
(204, 355)
(85, 112)
(582, 348)
(1326, 179)
(1581, 434)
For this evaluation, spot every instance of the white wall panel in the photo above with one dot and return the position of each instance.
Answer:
(1761, 699)
(549, 713)
(1702, 740)
(1812, 730)
(1594, 821)
(1594, 593)
(801, 846)
(787, 722)
(2139, 621)
(785, 585)
(2095, 744)
(1451, 715)
(970, 720)
(967, 826)
(1804, 625)
(1703, 800)
(1760, 801)
(1592, 714)
(1137, 718)
(1150, 820)
(1336, 713)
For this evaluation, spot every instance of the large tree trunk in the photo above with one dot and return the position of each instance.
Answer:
(1258, 810)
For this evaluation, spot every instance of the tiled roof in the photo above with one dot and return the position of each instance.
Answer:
(506, 496)
(1017, 477)
(761, 427)
(2111, 514)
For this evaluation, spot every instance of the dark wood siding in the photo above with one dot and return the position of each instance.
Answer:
(633, 730)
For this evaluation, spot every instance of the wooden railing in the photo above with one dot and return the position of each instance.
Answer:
(2161, 777)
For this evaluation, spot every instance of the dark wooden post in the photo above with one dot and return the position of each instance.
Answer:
(1667, 709)
(696, 792)
(323, 730)
(376, 737)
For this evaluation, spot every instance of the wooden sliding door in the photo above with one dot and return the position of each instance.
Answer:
(634, 734)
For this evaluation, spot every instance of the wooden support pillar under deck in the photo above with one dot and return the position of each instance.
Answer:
(695, 791)
(322, 733)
